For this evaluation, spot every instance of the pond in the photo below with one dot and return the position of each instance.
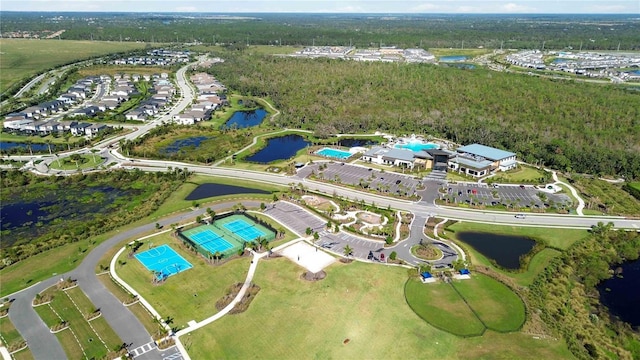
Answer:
(279, 148)
(463, 66)
(453, 58)
(245, 119)
(353, 142)
(209, 190)
(181, 144)
(505, 250)
(8, 145)
(621, 294)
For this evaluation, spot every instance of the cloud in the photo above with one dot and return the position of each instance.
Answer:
(513, 8)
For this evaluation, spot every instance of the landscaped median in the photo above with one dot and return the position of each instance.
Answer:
(77, 324)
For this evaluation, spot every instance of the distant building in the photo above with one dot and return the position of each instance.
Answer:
(499, 159)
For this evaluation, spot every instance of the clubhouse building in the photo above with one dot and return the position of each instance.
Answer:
(475, 160)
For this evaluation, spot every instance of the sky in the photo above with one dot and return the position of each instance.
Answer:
(334, 6)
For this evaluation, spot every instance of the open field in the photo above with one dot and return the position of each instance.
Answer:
(94, 339)
(26, 58)
(189, 295)
(40, 139)
(498, 307)
(521, 175)
(291, 319)
(606, 198)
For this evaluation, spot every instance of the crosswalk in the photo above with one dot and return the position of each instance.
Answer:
(436, 175)
(143, 349)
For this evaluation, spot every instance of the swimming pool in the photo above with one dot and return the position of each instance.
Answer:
(417, 146)
(334, 153)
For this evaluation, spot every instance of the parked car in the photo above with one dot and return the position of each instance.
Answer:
(521, 186)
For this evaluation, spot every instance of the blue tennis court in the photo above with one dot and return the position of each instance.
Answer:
(243, 229)
(210, 241)
(164, 260)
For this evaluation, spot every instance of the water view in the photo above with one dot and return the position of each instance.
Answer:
(416, 146)
(505, 250)
(621, 294)
(184, 144)
(245, 119)
(279, 148)
(8, 145)
(453, 58)
(209, 190)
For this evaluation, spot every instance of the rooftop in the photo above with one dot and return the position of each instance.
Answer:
(486, 152)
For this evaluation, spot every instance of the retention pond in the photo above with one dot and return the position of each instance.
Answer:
(505, 250)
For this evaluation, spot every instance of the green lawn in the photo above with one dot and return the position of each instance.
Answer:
(189, 295)
(39, 139)
(440, 305)
(554, 237)
(499, 308)
(292, 319)
(87, 161)
(522, 175)
(25, 58)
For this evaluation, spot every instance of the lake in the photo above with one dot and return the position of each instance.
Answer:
(505, 250)
(179, 144)
(279, 148)
(209, 190)
(621, 295)
(453, 58)
(245, 119)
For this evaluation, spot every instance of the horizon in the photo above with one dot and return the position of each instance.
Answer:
(410, 7)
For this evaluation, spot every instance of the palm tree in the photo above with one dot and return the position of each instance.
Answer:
(28, 142)
(48, 141)
(347, 251)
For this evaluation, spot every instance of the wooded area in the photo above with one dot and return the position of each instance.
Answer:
(567, 299)
(569, 126)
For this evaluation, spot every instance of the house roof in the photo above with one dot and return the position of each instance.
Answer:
(486, 152)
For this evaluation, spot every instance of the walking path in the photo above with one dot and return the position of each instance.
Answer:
(574, 192)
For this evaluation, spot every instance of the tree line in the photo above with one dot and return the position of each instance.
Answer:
(571, 126)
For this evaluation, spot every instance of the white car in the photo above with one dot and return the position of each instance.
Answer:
(520, 216)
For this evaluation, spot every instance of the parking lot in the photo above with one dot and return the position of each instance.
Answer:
(508, 195)
(386, 182)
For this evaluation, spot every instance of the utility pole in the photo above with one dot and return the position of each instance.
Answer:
(543, 45)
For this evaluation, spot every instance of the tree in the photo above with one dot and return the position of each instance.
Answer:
(347, 251)
(262, 206)
(316, 236)
(308, 231)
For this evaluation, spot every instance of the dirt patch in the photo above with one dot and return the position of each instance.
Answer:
(314, 200)
(373, 219)
(309, 276)
(243, 304)
(346, 341)
(346, 261)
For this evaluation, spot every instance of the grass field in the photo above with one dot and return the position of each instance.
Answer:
(294, 319)
(26, 58)
(441, 306)
(87, 161)
(499, 308)
(40, 139)
(94, 339)
(606, 198)
(189, 295)
(522, 175)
